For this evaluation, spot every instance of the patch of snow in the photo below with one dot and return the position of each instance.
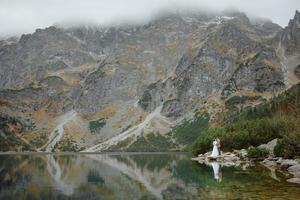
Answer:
(218, 20)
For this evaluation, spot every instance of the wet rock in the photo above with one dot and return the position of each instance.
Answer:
(279, 160)
(295, 170)
(288, 162)
(269, 163)
(290, 36)
(241, 153)
(226, 159)
(294, 180)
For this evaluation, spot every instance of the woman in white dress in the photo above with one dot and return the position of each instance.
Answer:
(215, 152)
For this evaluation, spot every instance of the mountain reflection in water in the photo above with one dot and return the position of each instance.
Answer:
(133, 176)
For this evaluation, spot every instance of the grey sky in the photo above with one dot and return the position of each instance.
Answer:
(24, 16)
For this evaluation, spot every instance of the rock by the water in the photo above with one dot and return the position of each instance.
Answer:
(269, 163)
(288, 162)
(295, 170)
(269, 146)
(241, 153)
(294, 180)
(279, 160)
(226, 159)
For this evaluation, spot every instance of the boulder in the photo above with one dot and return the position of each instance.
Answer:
(226, 159)
(268, 163)
(294, 180)
(288, 162)
(207, 153)
(279, 160)
(241, 153)
(269, 146)
(295, 170)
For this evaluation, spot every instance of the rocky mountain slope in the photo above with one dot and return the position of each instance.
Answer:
(127, 87)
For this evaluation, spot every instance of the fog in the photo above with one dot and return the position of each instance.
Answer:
(24, 16)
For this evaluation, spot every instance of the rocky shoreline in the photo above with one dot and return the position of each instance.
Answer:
(240, 158)
(292, 166)
(225, 159)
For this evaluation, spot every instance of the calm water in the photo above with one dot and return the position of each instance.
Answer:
(140, 176)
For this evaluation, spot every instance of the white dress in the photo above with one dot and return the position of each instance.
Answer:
(215, 151)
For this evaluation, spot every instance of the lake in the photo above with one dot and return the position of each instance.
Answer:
(135, 176)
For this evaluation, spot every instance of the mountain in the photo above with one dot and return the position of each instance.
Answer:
(251, 126)
(142, 87)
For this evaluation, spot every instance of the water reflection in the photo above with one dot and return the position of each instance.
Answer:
(217, 171)
(140, 176)
(59, 183)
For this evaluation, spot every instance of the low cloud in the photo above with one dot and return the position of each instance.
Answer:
(24, 16)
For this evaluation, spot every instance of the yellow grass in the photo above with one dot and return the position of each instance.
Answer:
(107, 112)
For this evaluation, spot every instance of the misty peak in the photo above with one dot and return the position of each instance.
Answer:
(297, 15)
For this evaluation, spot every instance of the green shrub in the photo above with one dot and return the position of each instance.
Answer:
(287, 103)
(188, 131)
(243, 134)
(160, 142)
(204, 141)
(284, 149)
(252, 126)
(257, 153)
(145, 143)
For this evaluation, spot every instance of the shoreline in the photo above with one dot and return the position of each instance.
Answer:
(87, 153)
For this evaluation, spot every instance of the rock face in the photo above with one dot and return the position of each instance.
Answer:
(291, 35)
(295, 171)
(120, 75)
(269, 146)
(297, 71)
(228, 61)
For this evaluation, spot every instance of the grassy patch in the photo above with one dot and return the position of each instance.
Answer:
(67, 145)
(257, 153)
(149, 143)
(152, 143)
(140, 144)
(96, 125)
(13, 143)
(160, 142)
(285, 104)
(188, 131)
(120, 146)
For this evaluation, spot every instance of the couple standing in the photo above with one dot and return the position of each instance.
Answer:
(216, 150)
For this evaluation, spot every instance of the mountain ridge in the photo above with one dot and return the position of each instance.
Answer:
(115, 77)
